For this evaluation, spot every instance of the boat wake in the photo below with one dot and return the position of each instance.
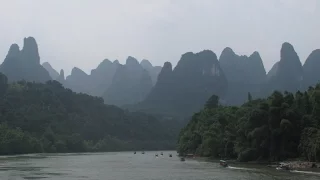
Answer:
(239, 168)
(306, 172)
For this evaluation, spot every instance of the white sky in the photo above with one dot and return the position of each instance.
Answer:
(84, 32)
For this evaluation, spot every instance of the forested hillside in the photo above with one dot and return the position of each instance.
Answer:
(278, 127)
(36, 117)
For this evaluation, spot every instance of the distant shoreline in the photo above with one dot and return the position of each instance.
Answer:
(85, 152)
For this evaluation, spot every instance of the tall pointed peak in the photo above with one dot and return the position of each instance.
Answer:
(61, 77)
(52, 72)
(146, 64)
(30, 52)
(167, 66)
(312, 59)
(165, 74)
(255, 59)
(227, 50)
(287, 49)
(255, 54)
(62, 73)
(145, 61)
(311, 68)
(105, 62)
(207, 53)
(315, 53)
(14, 51)
(30, 43)
(288, 54)
(287, 46)
(186, 55)
(228, 55)
(132, 61)
(47, 64)
(206, 58)
(116, 61)
(76, 70)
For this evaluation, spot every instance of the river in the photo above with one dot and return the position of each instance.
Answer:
(129, 166)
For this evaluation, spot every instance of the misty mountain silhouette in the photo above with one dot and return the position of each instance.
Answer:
(24, 64)
(311, 67)
(184, 89)
(52, 72)
(153, 70)
(174, 91)
(288, 73)
(131, 83)
(244, 74)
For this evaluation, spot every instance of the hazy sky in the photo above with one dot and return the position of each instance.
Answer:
(84, 32)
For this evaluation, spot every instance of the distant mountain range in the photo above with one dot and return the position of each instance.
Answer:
(185, 88)
(181, 90)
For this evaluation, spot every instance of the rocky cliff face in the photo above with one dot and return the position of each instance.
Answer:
(52, 72)
(102, 76)
(61, 79)
(153, 70)
(273, 71)
(289, 73)
(311, 69)
(187, 87)
(97, 82)
(162, 88)
(24, 64)
(78, 81)
(244, 74)
(131, 83)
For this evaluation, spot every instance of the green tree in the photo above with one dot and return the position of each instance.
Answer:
(3, 84)
(46, 117)
(281, 126)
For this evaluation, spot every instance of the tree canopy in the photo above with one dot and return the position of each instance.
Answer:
(37, 117)
(283, 125)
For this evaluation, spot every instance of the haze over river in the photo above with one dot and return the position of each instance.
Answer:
(129, 166)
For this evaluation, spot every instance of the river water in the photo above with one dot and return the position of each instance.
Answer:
(129, 166)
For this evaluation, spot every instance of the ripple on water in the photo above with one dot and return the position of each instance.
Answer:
(33, 177)
(122, 166)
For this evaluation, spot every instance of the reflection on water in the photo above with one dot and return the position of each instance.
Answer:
(126, 165)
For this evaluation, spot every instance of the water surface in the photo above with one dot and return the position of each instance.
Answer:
(129, 166)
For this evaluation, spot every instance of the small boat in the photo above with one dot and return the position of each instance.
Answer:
(190, 155)
(223, 163)
(161, 153)
(170, 155)
(182, 159)
(134, 152)
(283, 166)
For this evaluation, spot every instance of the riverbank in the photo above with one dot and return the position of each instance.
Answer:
(292, 164)
(301, 165)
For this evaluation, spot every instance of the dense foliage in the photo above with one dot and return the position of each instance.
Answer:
(284, 125)
(36, 117)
